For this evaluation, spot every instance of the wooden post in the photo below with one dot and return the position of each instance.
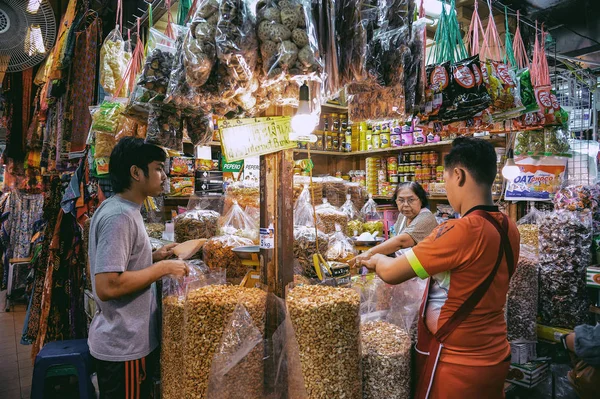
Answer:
(276, 208)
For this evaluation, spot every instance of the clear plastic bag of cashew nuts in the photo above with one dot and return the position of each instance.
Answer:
(251, 362)
(325, 320)
(387, 332)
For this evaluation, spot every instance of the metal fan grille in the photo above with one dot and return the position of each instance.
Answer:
(16, 20)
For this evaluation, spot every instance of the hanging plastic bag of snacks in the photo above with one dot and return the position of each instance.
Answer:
(199, 127)
(521, 143)
(104, 144)
(164, 128)
(438, 94)
(236, 222)
(199, 51)
(536, 143)
(373, 218)
(470, 94)
(288, 42)
(556, 141)
(113, 63)
(107, 116)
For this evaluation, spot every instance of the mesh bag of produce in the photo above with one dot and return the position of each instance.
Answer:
(208, 310)
(195, 223)
(237, 222)
(329, 217)
(218, 253)
(171, 354)
(565, 254)
(331, 312)
(113, 63)
(522, 298)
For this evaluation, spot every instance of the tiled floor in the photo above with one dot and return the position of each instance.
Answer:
(15, 359)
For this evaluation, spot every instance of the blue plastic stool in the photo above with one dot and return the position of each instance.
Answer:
(60, 353)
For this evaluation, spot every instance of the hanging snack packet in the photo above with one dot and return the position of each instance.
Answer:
(288, 43)
(164, 128)
(113, 63)
(236, 222)
(438, 90)
(470, 94)
(106, 118)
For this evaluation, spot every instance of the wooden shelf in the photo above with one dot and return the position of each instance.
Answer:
(415, 147)
(432, 197)
(334, 106)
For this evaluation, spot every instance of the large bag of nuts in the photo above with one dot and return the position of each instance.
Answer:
(218, 253)
(565, 254)
(308, 240)
(326, 324)
(236, 222)
(208, 312)
(315, 187)
(387, 332)
(173, 300)
(195, 223)
(329, 217)
(522, 297)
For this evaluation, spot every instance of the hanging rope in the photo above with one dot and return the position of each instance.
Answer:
(119, 16)
(169, 32)
(135, 63)
(475, 32)
(491, 48)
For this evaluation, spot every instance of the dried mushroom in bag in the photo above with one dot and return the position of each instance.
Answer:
(158, 65)
(236, 222)
(195, 223)
(288, 44)
(164, 128)
(199, 48)
(199, 127)
(218, 253)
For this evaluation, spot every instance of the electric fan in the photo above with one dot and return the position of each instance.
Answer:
(27, 34)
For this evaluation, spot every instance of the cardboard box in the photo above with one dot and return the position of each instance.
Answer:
(181, 186)
(182, 166)
(593, 276)
(529, 374)
(522, 352)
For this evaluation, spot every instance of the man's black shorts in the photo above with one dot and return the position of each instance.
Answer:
(127, 380)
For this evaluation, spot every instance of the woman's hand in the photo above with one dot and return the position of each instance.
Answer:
(163, 252)
(371, 263)
(356, 261)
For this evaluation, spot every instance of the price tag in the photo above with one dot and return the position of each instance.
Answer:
(267, 238)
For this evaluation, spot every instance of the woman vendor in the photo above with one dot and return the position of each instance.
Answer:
(414, 223)
(462, 349)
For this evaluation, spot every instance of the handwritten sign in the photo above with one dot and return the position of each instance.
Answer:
(243, 138)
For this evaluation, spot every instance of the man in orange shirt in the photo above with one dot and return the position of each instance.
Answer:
(462, 349)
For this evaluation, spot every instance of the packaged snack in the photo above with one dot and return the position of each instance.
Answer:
(113, 63)
(522, 299)
(106, 117)
(181, 186)
(182, 166)
(105, 142)
(164, 128)
(218, 253)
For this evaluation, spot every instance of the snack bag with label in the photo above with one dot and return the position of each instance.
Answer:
(438, 90)
(470, 94)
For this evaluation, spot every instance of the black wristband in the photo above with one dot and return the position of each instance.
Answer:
(563, 341)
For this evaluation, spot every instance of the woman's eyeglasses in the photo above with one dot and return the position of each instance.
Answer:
(407, 201)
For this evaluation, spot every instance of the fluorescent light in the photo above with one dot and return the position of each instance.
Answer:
(304, 123)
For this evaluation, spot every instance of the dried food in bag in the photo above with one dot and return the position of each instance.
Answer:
(104, 144)
(322, 311)
(307, 242)
(199, 48)
(236, 222)
(565, 254)
(155, 230)
(334, 189)
(106, 117)
(218, 253)
(158, 65)
(304, 213)
(315, 186)
(287, 37)
(340, 248)
(164, 128)
(203, 335)
(522, 143)
(113, 63)
(246, 193)
(556, 142)
(528, 229)
(195, 223)
(522, 299)
(536, 143)
(127, 127)
(179, 92)
(329, 216)
(199, 127)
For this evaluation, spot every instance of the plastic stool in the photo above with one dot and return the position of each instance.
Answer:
(73, 353)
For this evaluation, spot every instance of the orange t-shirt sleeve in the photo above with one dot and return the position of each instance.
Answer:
(447, 247)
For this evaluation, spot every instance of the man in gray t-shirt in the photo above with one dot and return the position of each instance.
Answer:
(123, 334)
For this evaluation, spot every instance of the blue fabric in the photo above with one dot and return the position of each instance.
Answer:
(72, 192)
(587, 344)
